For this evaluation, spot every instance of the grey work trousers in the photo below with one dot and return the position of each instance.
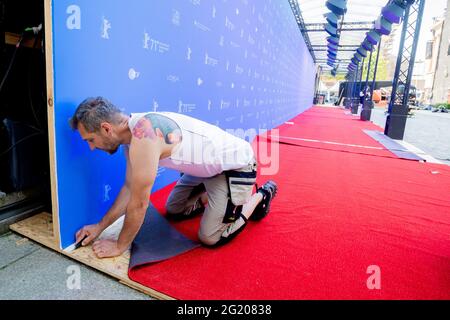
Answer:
(212, 225)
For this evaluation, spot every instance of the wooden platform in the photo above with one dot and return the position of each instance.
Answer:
(39, 228)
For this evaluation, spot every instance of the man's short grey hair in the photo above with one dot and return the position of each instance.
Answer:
(92, 112)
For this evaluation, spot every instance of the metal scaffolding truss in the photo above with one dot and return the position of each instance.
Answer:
(301, 25)
(399, 104)
(345, 26)
(356, 22)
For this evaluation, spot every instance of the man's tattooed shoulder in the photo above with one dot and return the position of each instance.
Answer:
(144, 129)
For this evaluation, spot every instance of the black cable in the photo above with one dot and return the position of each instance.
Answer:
(30, 99)
(18, 142)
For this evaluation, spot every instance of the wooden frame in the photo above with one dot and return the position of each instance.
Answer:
(44, 228)
(48, 27)
(40, 228)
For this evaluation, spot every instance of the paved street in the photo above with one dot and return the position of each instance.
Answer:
(426, 130)
(31, 272)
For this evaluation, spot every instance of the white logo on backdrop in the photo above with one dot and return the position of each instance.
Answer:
(185, 107)
(201, 26)
(155, 45)
(106, 25)
(199, 81)
(133, 74)
(106, 189)
(228, 24)
(224, 104)
(210, 61)
(234, 44)
(146, 40)
(173, 78)
(176, 17)
(189, 53)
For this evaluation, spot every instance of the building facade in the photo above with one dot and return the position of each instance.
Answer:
(431, 57)
(441, 82)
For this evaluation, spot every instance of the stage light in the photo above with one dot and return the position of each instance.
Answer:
(362, 52)
(358, 57)
(338, 7)
(332, 47)
(393, 12)
(332, 31)
(383, 26)
(373, 37)
(333, 39)
(332, 19)
(367, 45)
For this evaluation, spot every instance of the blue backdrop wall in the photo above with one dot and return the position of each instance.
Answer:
(233, 63)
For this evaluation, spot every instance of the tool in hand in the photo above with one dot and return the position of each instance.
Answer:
(79, 244)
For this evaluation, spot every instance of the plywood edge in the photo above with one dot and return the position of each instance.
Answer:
(48, 27)
(155, 294)
(39, 228)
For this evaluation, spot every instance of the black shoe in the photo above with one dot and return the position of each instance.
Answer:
(196, 209)
(268, 190)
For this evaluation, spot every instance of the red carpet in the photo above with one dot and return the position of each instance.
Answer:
(339, 210)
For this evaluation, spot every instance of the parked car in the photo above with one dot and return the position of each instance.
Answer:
(440, 109)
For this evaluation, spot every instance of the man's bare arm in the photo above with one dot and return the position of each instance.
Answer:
(145, 151)
(119, 206)
(90, 232)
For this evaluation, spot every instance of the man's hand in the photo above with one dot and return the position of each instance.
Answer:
(92, 231)
(107, 249)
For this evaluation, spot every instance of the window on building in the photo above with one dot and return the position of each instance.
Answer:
(429, 52)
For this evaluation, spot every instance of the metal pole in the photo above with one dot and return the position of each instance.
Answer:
(399, 105)
(367, 105)
(399, 59)
(368, 71)
(360, 78)
(413, 53)
(375, 72)
(355, 78)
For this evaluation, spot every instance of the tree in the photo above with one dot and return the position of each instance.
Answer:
(382, 72)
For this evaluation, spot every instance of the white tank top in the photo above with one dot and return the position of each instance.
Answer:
(205, 150)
